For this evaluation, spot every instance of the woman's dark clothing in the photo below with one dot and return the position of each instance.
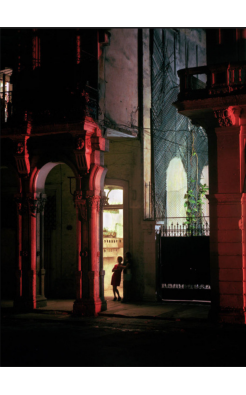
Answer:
(116, 277)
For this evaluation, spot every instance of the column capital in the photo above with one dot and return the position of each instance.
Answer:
(229, 116)
(93, 202)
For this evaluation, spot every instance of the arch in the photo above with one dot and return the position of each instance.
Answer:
(176, 189)
(42, 169)
(56, 262)
(97, 177)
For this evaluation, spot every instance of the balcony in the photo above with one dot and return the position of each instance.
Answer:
(211, 81)
(47, 108)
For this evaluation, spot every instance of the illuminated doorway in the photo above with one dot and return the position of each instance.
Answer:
(113, 235)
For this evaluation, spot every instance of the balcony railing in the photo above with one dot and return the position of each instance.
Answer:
(205, 81)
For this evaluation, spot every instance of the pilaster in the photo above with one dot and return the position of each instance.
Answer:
(25, 298)
(149, 260)
(225, 217)
(88, 300)
(40, 267)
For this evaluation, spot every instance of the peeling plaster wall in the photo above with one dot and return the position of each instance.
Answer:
(121, 77)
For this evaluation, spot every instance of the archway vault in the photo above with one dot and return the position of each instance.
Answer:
(82, 151)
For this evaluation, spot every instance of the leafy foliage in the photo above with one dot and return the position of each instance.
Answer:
(193, 203)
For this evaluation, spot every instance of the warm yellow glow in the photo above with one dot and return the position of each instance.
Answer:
(112, 246)
(113, 221)
(176, 189)
(115, 196)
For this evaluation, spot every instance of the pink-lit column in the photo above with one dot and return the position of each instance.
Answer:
(32, 294)
(243, 201)
(88, 301)
(79, 205)
(225, 215)
(243, 227)
(25, 298)
(93, 273)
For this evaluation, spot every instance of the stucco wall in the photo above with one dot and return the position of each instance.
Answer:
(121, 77)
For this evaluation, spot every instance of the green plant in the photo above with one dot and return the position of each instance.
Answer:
(194, 201)
(194, 198)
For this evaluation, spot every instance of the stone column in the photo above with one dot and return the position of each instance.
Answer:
(102, 272)
(243, 201)
(81, 216)
(40, 269)
(243, 228)
(26, 272)
(32, 210)
(94, 251)
(149, 260)
(225, 214)
(88, 301)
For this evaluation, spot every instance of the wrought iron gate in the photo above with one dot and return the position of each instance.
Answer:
(183, 263)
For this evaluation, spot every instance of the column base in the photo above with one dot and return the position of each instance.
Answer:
(227, 316)
(104, 305)
(41, 301)
(87, 307)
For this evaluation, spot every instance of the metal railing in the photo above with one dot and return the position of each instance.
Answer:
(177, 227)
(222, 78)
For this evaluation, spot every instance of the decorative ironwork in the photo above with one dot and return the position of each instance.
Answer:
(177, 229)
(221, 79)
(186, 286)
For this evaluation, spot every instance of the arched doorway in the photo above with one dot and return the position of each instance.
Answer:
(115, 230)
(56, 233)
(176, 190)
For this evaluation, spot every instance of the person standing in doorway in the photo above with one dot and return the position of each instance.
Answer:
(116, 277)
(127, 277)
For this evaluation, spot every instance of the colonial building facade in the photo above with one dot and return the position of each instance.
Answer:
(88, 130)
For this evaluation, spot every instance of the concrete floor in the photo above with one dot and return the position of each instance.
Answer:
(164, 310)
